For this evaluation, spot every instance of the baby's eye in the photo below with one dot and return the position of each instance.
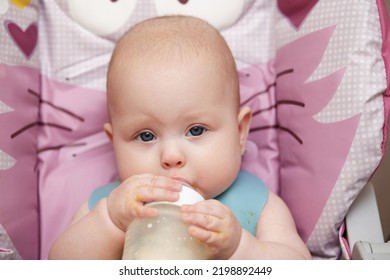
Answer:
(196, 131)
(146, 136)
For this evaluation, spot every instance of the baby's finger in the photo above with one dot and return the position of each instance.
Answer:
(146, 194)
(141, 211)
(207, 207)
(147, 188)
(165, 183)
(203, 235)
(204, 221)
(153, 181)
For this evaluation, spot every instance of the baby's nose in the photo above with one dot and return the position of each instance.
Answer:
(172, 157)
(171, 164)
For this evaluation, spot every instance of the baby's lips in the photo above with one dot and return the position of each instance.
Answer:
(183, 180)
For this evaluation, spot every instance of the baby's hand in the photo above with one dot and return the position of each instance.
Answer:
(127, 201)
(214, 224)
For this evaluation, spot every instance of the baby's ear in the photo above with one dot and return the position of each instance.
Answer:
(244, 124)
(108, 130)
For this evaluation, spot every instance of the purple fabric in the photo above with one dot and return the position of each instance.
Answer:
(312, 154)
(19, 207)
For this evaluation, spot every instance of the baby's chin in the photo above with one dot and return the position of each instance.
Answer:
(206, 193)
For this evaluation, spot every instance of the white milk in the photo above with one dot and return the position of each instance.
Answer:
(166, 236)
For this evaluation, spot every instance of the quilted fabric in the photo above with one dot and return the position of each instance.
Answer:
(313, 72)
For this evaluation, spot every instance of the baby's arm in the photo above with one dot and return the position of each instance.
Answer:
(91, 235)
(100, 233)
(276, 237)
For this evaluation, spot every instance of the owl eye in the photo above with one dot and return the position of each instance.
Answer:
(101, 17)
(220, 13)
(3, 6)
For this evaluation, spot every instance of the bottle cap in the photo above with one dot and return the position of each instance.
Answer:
(187, 196)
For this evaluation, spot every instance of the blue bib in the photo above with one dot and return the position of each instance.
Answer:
(246, 198)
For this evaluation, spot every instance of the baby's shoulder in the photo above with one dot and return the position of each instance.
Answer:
(81, 212)
(100, 193)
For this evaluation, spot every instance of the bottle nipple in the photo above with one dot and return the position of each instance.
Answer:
(187, 195)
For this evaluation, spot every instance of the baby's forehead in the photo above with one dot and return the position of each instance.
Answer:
(168, 41)
(196, 72)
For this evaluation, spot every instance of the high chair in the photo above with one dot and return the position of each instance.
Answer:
(314, 72)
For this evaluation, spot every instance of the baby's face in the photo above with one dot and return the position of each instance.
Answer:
(178, 121)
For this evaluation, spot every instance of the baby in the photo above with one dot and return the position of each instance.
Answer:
(173, 100)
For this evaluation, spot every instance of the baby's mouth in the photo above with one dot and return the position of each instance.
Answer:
(183, 180)
(186, 182)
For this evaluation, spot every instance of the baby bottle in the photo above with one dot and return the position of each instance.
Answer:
(164, 237)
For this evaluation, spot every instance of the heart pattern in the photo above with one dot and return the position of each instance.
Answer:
(25, 40)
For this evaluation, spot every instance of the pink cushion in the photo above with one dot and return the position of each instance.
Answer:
(338, 73)
(313, 72)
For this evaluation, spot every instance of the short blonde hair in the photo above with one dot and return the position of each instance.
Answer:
(173, 37)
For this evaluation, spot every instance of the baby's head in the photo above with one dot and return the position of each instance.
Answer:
(180, 40)
(173, 99)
